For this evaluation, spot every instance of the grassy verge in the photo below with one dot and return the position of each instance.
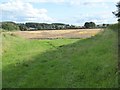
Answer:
(88, 63)
(0, 60)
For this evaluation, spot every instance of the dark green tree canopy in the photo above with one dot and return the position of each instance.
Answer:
(89, 25)
(117, 13)
(23, 27)
(10, 26)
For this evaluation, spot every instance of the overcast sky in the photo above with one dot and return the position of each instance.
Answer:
(75, 12)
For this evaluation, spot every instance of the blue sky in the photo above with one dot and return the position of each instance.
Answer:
(75, 12)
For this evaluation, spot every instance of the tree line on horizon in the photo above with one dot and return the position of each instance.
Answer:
(44, 26)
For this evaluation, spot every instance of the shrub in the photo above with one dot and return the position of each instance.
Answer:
(10, 26)
(114, 27)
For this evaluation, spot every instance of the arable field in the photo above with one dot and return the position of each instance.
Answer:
(60, 63)
(53, 34)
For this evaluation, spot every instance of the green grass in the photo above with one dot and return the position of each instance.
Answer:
(60, 63)
(0, 60)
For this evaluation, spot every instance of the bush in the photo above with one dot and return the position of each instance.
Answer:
(89, 25)
(10, 26)
(114, 27)
(23, 27)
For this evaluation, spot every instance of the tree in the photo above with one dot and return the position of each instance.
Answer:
(117, 13)
(23, 27)
(10, 26)
(89, 25)
(92, 25)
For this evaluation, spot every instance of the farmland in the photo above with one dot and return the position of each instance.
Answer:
(54, 34)
(60, 63)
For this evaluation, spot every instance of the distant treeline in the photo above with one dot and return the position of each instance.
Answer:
(45, 26)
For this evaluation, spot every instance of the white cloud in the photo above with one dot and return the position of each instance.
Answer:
(40, 1)
(98, 18)
(71, 1)
(23, 10)
(20, 11)
(91, 3)
(62, 1)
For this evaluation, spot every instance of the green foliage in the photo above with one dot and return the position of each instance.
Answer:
(10, 26)
(114, 27)
(23, 27)
(60, 63)
(45, 26)
(103, 25)
(117, 13)
(86, 25)
(32, 26)
(89, 25)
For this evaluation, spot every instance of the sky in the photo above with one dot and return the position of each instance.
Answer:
(75, 12)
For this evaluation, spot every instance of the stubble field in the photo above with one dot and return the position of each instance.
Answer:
(53, 34)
